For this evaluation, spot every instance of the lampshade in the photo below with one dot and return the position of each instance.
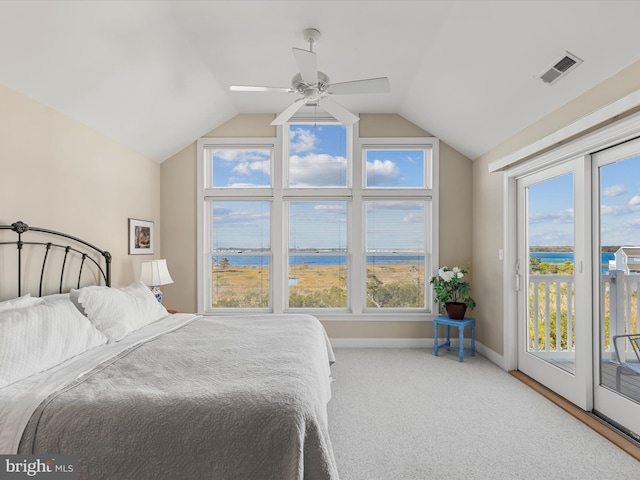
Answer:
(155, 273)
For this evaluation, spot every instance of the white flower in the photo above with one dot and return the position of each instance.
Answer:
(456, 270)
(460, 274)
(447, 276)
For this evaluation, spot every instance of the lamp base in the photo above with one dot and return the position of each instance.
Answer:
(157, 292)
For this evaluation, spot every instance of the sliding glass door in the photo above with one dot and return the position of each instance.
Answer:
(572, 276)
(616, 197)
(551, 302)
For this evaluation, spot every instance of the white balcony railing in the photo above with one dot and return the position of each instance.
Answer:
(552, 316)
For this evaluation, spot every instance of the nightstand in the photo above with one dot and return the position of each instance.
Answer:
(172, 312)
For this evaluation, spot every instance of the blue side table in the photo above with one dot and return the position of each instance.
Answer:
(444, 320)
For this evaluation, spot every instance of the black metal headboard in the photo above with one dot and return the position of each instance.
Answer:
(73, 250)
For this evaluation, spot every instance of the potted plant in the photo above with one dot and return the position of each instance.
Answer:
(453, 292)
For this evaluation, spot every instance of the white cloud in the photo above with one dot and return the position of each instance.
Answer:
(228, 155)
(553, 238)
(331, 208)
(302, 140)
(617, 210)
(243, 185)
(242, 169)
(242, 155)
(614, 190)
(247, 168)
(635, 201)
(228, 216)
(413, 218)
(560, 216)
(317, 170)
(220, 211)
(382, 172)
(403, 205)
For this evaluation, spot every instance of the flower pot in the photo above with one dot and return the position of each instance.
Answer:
(455, 310)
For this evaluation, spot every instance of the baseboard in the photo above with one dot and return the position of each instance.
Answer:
(491, 355)
(382, 342)
(412, 343)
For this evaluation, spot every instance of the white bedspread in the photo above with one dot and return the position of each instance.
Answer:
(187, 397)
(19, 400)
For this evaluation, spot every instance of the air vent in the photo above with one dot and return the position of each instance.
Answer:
(560, 68)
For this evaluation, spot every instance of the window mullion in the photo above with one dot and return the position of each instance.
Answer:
(357, 280)
(279, 242)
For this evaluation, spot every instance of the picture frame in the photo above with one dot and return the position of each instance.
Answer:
(141, 237)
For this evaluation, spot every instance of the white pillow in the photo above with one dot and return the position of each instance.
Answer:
(20, 302)
(54, 297)
(36, 338)
(118, 311)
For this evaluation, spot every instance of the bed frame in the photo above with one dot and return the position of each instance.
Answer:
(95, 258)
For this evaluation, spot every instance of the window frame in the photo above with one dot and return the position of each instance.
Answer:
(212, 252)
(428, 193)
(286, 156)
(427, 258)
(355, 195)
(348, 255)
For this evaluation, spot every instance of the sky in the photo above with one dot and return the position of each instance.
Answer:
(551, 207)
(318, 158)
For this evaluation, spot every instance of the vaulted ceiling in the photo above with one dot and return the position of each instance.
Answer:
(155, 75)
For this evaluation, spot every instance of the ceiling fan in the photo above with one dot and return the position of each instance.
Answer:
(316, 88)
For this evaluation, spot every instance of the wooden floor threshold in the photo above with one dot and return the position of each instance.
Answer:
(607, 432)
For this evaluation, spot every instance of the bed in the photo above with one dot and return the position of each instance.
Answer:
(138, 393)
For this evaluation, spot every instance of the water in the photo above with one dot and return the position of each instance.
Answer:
(552, 257)
(325, 260)
(562, 257)
(328, 260)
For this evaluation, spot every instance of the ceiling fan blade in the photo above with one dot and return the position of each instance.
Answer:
(251, 88)
(340, 113)
(369, 85)
(307, 64)
(288, 112)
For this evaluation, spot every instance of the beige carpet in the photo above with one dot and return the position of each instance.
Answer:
(405, 414)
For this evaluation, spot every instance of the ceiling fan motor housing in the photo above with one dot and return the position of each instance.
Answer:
(301, 86)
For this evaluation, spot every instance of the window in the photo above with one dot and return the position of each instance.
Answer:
(395, 168)
(240, 167)
(318, 262)
(240, 254)
(317, 220)
(317, 155)
(395, 253)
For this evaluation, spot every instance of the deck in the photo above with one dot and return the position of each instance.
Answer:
(629, 381)
(552, 322)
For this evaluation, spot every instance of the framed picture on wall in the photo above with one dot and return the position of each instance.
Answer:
(140, 237)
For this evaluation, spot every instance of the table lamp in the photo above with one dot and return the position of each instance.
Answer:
(155, 273)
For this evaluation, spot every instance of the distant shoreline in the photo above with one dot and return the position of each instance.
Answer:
(565, 249)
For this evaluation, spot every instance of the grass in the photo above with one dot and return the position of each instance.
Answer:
(237, 281)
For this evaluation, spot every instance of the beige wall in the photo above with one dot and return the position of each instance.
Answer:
(488, 205)
(60, 175)
(179, 216)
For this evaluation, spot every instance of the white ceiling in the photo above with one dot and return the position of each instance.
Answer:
(155, 75)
